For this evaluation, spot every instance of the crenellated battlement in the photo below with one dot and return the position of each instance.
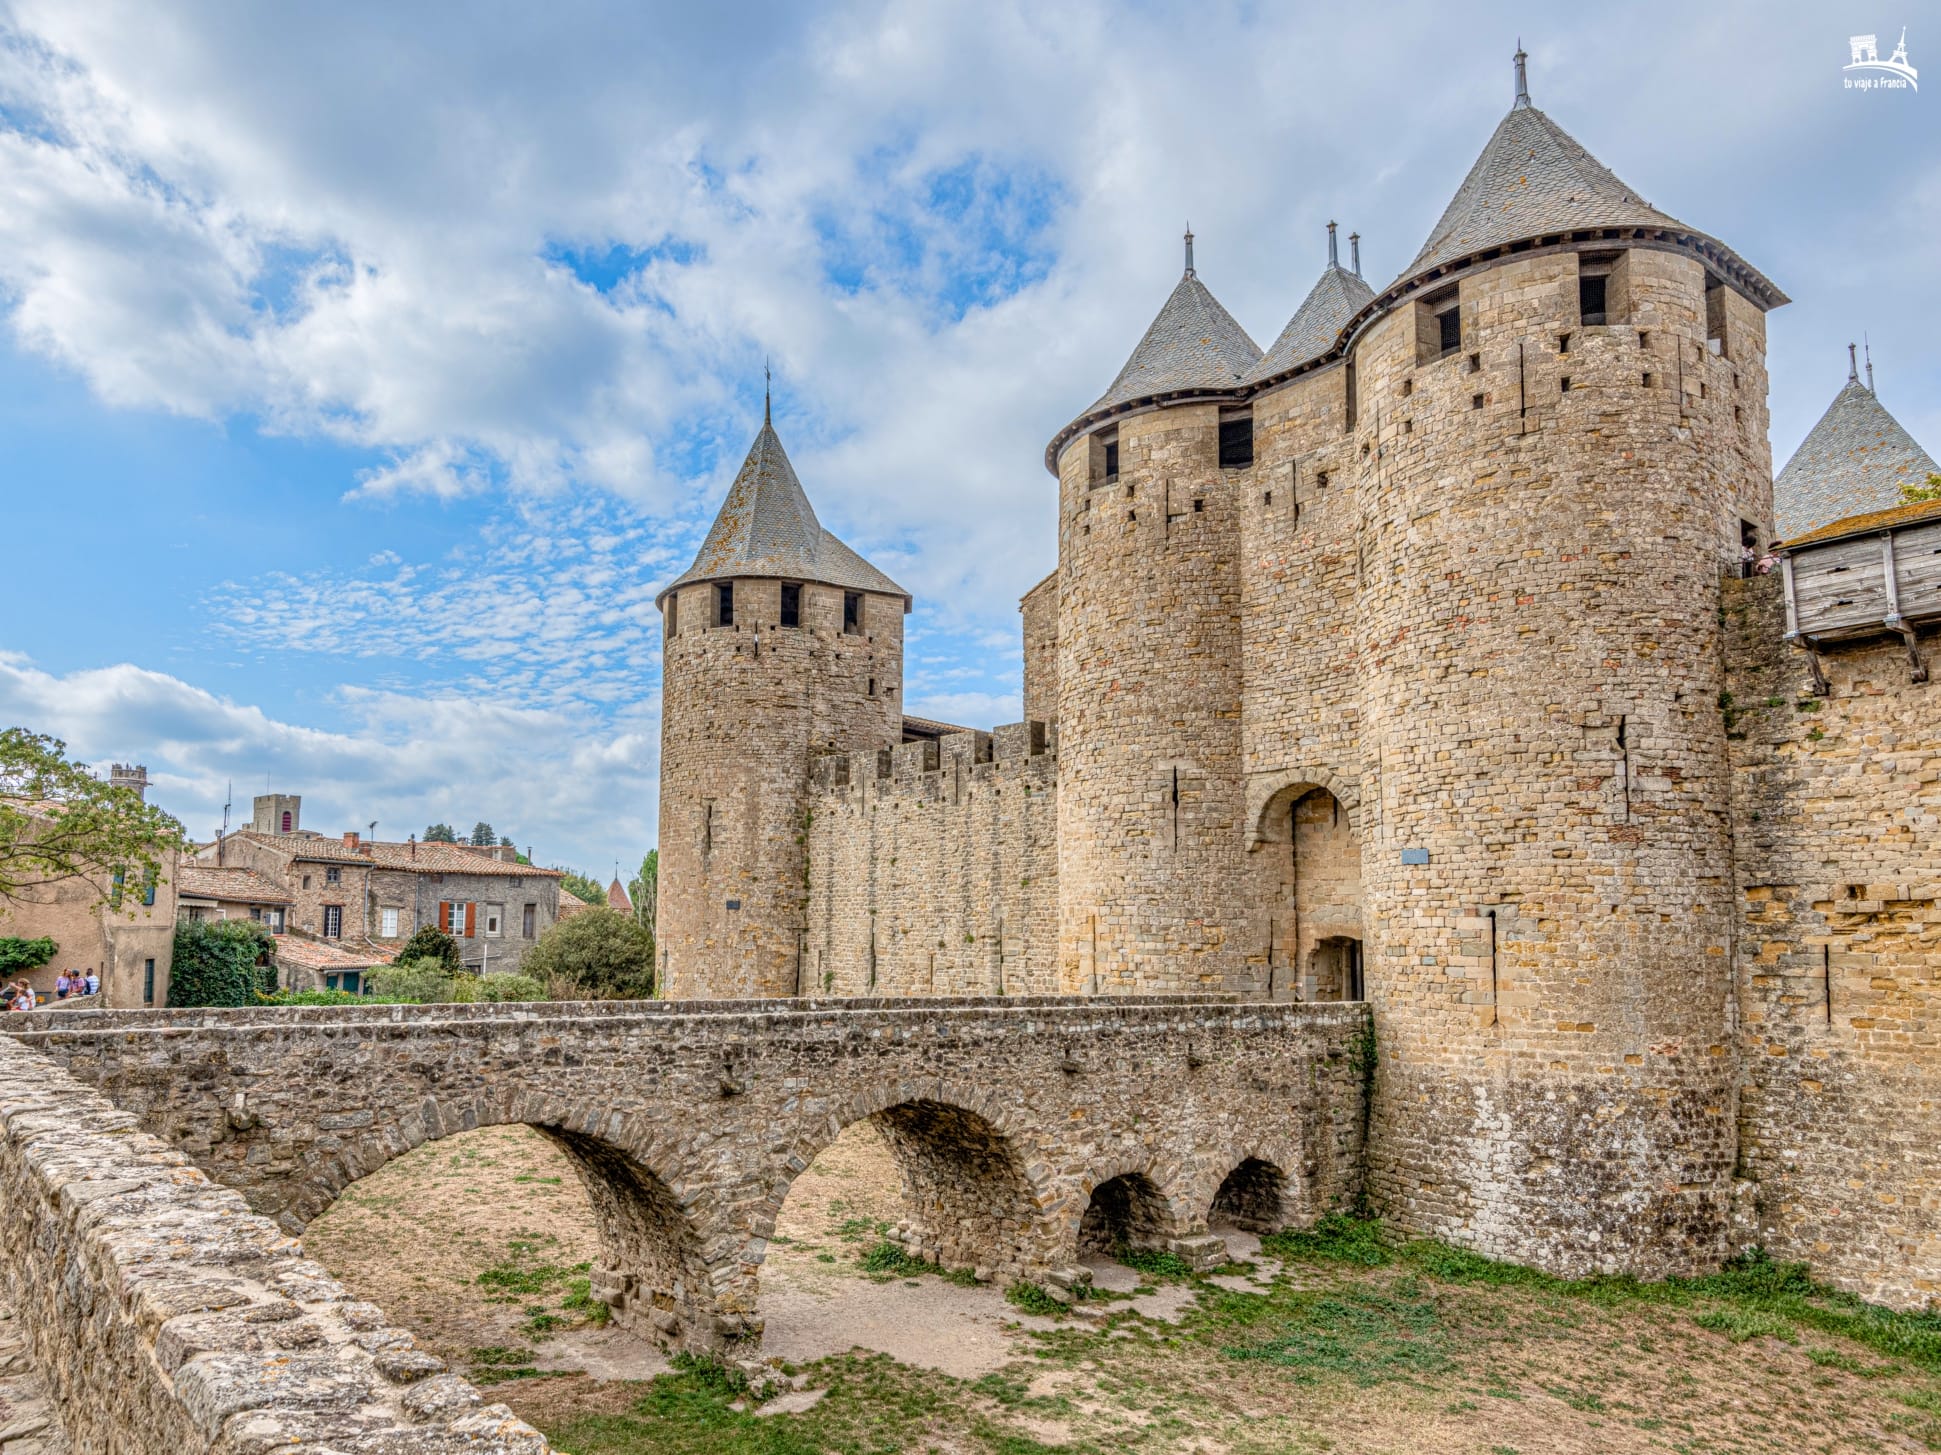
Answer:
(939, 768)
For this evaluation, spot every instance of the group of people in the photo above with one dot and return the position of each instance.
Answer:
(19, 995)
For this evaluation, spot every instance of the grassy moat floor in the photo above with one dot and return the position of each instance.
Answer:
(1324, 1341)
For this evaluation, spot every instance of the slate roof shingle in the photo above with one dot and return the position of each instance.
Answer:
(1852, 462)
(766, 527)
(1336, 297)
(1193, 343)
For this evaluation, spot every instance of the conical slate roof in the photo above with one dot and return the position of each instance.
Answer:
(1336, 297)
(1532, 178)
(1194, 343)
(1853, 461)
(766, 527)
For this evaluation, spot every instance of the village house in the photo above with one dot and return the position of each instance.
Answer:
(363, 898)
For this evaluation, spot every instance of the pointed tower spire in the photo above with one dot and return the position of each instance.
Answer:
(1334, 260)
(767, 380)
(1853, 368)
(1522, 76)
(1189, 251)
(1354, 253)
(1867, 350)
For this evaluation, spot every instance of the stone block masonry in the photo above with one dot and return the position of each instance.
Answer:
(1838, 802)
(163, 1316)
(933, 868)
(689, 1122)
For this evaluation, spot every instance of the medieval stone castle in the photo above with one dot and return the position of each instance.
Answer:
(1408, 660)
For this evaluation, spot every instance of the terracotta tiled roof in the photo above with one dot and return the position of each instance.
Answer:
(766, 527)
(1334, 299)
(1854, 460)
(617, 897)
(226, 882)
(421, 858)
(1872, 520)
(318, 955)
(571, 904)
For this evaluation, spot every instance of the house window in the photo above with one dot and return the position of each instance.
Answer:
(333, 876)
(529, 920)
(333, 917)
(350, 980)
(493, 914)
(148, 982)
(1237, 441)
(852, 613)
(458, 917)
(724, 603)
(387, 924)
(306, 881)
(274, 919)
(287, 820)
(791, 604)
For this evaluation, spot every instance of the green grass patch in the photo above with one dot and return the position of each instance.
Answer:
(1335, 1238)
(1153, 1262)
(894, 1260)
(1368, 1335)
(1033, 1300)
(1740, 1324)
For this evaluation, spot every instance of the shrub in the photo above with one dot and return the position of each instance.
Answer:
(312, 997)
(217, 962)
(432, 943)
(600, 954)
(423, 982)
(17, 954)
(474, 989)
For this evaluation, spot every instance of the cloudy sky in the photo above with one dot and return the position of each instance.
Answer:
(364, 368)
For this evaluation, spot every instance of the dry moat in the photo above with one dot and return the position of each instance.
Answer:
(476, 1244)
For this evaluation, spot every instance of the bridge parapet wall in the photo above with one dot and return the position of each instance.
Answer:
(163, 1315)
(689, 1124)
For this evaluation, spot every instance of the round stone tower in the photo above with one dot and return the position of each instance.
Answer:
(780, 643)
(1559, 428)
(1149, 868)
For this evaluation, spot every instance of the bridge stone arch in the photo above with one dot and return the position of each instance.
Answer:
(1260, 1185)
(1135, 1202)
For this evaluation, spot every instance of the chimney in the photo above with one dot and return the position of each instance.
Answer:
(350, 839)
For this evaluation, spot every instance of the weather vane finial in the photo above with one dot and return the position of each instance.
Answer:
(1522, 75)
(766, 381)
(1189, 249)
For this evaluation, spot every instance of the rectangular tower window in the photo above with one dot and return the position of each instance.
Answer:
(852, 613)
(1112, 460)
(1715, 338)
(1590, 298)
(1438, 325)
(673, 615)
(791, 604)
(1104, 456)
(1237, 441)
(724, 603)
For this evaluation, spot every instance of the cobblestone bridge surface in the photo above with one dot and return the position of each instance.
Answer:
(1025, 1129)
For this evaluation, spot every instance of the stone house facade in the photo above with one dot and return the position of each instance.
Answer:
(368, 895)
(1397, 662)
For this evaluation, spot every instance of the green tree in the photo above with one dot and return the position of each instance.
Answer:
(440, 833)
(219, 962)
(581, 887)
(482, 835)
(642, 889)
(80, 829)
(17, 955)
(1920, 494)
(432, 943)
(599, 955)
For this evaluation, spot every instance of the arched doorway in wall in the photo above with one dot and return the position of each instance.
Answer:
(1311, 856)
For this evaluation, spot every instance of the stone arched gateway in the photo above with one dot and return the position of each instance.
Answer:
(689, 1121)
(1304, 849)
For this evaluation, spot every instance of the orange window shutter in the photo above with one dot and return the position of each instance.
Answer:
(471, 920)
(445, 915)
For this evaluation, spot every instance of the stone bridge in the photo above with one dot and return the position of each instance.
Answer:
(1026, 1130)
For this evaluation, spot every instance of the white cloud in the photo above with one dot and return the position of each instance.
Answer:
(577, 790)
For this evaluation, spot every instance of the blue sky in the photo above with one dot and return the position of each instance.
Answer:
(364, 369)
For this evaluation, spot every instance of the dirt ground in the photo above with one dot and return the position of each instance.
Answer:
(476, 1243)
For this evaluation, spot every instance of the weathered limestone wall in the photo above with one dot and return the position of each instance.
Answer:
(1838, 807)
(1544, 517)
(163, 1316)
(689, 1122)
(744, 708)
(1151, 867)
(1039, 608)
(933, 868)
